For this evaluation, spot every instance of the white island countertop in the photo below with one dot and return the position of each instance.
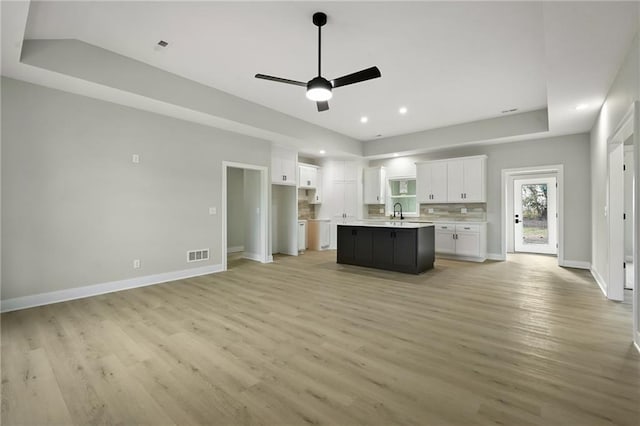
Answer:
(387, 224)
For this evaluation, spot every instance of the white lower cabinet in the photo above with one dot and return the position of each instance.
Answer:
(467, 241)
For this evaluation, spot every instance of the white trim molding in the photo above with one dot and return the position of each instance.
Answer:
(253, 256)
(601, 282)
(496, 256)
(578, 264)
(41, 299)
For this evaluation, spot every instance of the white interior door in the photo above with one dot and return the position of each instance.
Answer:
(535, 218)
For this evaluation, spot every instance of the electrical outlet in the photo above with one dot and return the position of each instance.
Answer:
(430, 210)
(381, 211)
(212, 210)
(135, 158)
(136, 263)
(463, 210)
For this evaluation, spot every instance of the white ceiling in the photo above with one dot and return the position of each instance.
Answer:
(448, 63)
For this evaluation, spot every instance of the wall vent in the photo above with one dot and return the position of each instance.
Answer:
(197, 255)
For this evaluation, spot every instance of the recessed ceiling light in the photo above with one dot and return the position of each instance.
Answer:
(395, 154)
(402, 110)
(322, 151)
(364, 119)
(582, 106)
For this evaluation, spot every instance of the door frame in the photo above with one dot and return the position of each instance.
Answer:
(264, 210)
(551, 219)
(628, 125)
(508, 176)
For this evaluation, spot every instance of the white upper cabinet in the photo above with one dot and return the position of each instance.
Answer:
(317, 195)
(456, 180)
(431, 182)
(284, 166)
(374, 185)
(307, 176)
(467, 180)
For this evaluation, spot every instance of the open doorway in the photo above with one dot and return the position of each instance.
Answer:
(535, 215)
(244, 212)
(622, 213)
(628, 171)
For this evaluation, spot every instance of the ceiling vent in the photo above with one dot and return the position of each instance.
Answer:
(163, 43)
(507, 111)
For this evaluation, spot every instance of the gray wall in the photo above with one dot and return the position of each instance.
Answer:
(571, 151)
(76, 211)
(623, 92)
(235, 208)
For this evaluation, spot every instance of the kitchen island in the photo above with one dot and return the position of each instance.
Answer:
(395, 246)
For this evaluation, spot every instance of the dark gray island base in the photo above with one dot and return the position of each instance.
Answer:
(402, 247)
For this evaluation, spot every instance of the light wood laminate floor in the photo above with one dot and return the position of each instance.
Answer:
(307, 341)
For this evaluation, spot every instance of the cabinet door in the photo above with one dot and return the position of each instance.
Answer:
(276, 168)
(312, 177)
(350, 170)
(304, 180)
(373, 185)
(439, 182)
(423, 183)
(468, 244)
(350, 200)
(474, 178)
(404, 253)
(284, 170)
(289, 170)
(382, 243)
(455, 181)
(317, 196)
(444, 241)
(337, 199)
(346, 244)
(362, 246)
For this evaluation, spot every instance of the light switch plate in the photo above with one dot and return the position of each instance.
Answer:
(463, 210)
(213, 210)
(430, 210)
(135, 158)
(136, 263)
(381, 211)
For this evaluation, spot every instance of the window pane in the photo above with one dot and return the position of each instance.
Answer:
(534, 214)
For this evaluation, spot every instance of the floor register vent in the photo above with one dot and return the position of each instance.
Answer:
(198, 255)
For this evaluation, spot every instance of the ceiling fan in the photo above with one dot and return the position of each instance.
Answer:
(319, 88)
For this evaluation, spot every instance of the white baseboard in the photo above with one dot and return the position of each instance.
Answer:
(236, 249)
(579, 264)
(464, 258)
(270, 258)
(24, 302)
(496, 256)
(252, 256)
(601, 282)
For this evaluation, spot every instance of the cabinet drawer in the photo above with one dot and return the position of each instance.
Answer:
(445, 226)
(467, 228)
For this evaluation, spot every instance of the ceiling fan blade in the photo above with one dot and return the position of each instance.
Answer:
(356, 77)
(281, 80)
(322, 106)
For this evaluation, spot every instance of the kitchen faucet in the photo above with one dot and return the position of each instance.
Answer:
(394, 210)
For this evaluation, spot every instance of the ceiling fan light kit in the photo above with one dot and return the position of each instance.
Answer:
(319, 89)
